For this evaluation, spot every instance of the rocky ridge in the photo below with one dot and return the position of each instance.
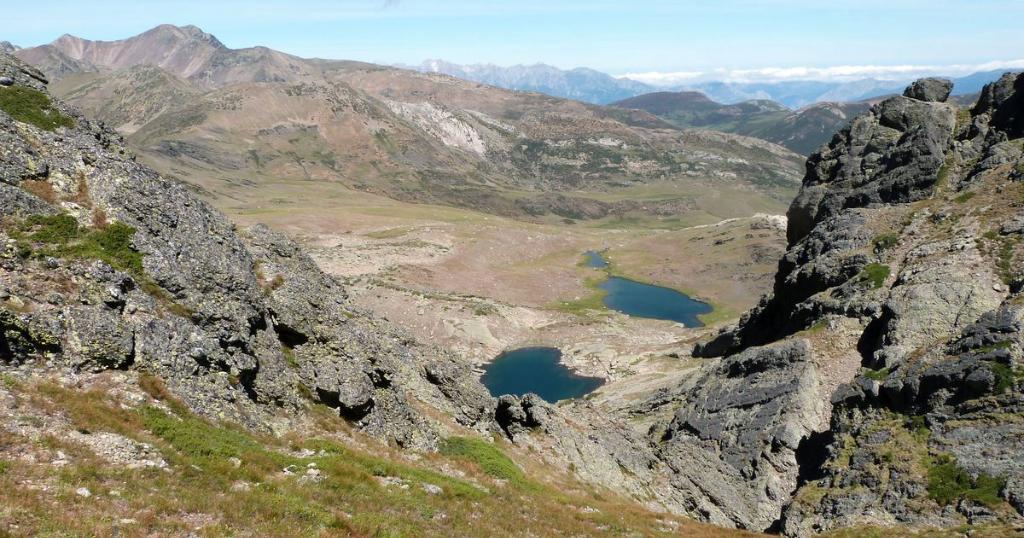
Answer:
(107, 265)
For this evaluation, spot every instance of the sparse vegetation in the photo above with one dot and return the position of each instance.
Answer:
(963, 198)
(41, 236)
(1005, 259)
(592, 302)
(389, 233)
(942, 178)
(484, 309)
(61, 236)
(963, 117)
(874, 274)
(289, 357)
(32, 106)
(918, 428)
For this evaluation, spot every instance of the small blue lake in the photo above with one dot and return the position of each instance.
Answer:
(645, 300)
(536, 370)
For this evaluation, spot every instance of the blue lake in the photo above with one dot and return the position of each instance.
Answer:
(595, 260)
(647, 301)
(536, 370)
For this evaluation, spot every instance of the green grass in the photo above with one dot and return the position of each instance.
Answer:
(875, 274)
(205, 443)
(488, 457)
(592, 302)
(33, 107)
(948, 482)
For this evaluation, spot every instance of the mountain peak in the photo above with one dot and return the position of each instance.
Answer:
(188, 32)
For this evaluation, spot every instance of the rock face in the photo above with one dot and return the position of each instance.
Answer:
(901, 276)
(751, 410)
(240, 326)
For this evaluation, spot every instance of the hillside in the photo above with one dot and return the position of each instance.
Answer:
(801, 131)
(228, 119)
(163, 372)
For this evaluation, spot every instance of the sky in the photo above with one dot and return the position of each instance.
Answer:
(657, 41)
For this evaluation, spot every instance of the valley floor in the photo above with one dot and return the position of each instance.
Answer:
(480, 284)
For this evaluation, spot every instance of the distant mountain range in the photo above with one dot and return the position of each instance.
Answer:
(581, 84)
(592, 86)
(802, 131)
(236, 120)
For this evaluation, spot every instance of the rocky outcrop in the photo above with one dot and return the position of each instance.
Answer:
(931, 90)
(107, 265)
(892, 155)
(899, 236)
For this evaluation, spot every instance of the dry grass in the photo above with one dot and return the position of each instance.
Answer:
(42, 189)
(81, 196)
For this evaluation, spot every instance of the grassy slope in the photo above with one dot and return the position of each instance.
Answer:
(484, 493)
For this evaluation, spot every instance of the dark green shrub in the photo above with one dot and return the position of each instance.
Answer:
(113, 245)
(53, 229)
(886, 241)
(32, 106)
(1005, 378)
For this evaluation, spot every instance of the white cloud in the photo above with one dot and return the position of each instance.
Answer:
(839, 73)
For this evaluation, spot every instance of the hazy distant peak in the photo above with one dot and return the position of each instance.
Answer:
(8, 47)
